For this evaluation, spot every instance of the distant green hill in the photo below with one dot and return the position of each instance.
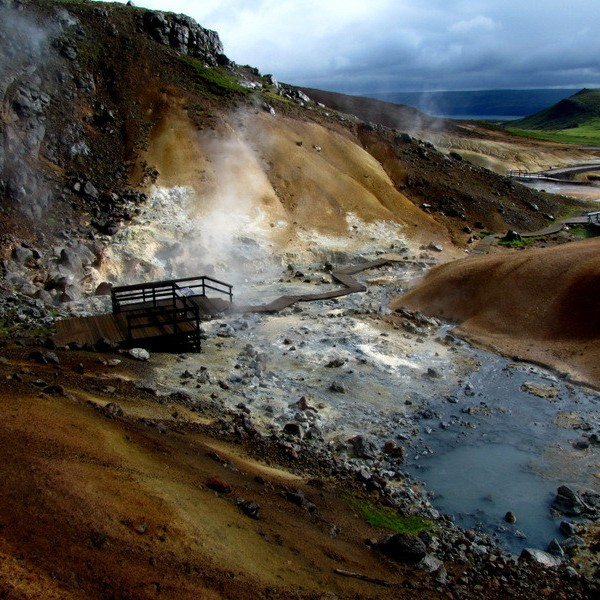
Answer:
(574, 111)
(573, 120)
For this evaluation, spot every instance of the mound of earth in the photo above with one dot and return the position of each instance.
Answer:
(541, 304)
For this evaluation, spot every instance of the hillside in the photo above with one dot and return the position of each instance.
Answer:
(273, 463)
(549, 316)
(122, 100)
(579, 110)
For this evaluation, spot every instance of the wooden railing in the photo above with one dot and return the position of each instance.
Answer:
(168, 306)
(157, 293)
(593, 218)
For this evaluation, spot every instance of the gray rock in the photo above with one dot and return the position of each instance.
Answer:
(104, 288)
(539, 556)
(568, 501)
(511, 236)
(337, 387)
(293, 429)
(567, 528)
(573, 542)
(139, 354)
(22, 255)
(363, 447)
(556, 549)
(112, 410)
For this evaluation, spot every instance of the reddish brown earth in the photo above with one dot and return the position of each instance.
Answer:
(539, 304)
(98, 507)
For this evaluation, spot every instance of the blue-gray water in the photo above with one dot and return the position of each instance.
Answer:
(492, 447)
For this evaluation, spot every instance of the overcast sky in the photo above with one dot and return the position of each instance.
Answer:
(361, 46)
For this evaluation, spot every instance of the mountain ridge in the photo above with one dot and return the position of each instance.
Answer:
(576, 111)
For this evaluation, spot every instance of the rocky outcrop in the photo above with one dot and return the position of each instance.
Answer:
(185, 36)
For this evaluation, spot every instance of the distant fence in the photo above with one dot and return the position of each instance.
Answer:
(520, 173)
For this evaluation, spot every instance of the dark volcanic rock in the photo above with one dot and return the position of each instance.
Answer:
(185, 36)
(404, 547)
(568, 501)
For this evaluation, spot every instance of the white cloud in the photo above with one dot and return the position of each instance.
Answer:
(478, 23)
(353, 45)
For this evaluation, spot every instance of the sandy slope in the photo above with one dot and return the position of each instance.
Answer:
(539, 304)
(294, 171)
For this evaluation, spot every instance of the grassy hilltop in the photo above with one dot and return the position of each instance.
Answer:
(575, 120)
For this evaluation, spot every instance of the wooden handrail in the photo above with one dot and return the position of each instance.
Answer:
(127, 296)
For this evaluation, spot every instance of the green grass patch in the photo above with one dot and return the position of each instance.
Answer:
(581, 231)
(522, 243)
(587, 134)
(218, 79)
(384, 517)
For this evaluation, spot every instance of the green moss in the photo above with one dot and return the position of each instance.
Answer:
(384, 517)
(522, 243)
(583, 231)
(218, 79)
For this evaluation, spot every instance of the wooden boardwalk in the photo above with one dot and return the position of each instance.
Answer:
(343, 276)
(161, 315)
(166, 315)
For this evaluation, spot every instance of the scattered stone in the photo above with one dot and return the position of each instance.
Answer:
(334, 363)
(140, 354)
(539, 556)
(337, 387)
(250, 508)
(293, 429)
(568, 502)
(512, 236)
(103, 289)
(392, 449)
(56, 390)
(541, 391)
(404, 547)
(141, 528)
(510, 517)
(112, 410)
(218, 484)
(431, 564)
(297, 497)
(572, 542)
(363, 448)
(44, 358)
(567, 528)
(581, 444)
(556, 549)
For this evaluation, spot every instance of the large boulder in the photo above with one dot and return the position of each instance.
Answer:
(404, 547)
(185, 36)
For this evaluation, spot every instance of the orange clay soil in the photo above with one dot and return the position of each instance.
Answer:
(98, 507)
(541, 305)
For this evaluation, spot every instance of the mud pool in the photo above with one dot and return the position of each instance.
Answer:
(505, 442)
(484, 435)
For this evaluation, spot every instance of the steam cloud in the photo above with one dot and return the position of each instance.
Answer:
(223, 228)
(24, 48)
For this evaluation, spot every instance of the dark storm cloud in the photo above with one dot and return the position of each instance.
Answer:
(383, 45)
